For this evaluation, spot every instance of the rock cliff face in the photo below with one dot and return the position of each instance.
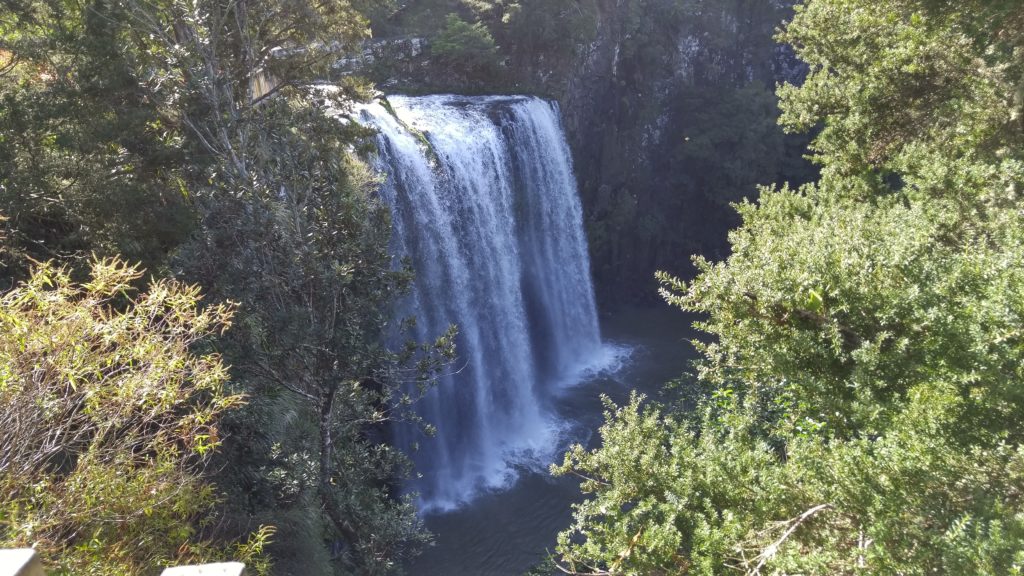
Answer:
(671, 116)
(670, 112)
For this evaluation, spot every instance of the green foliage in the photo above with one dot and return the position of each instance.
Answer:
(668, 500)
(109, 419)
(548, 31)
(126, 119)
(894, 82)
(378, 12)
(305, 247)
(107, 111)
(88, 165)
(472, 40)
(865, 367)
(730, 141)
(466, 48)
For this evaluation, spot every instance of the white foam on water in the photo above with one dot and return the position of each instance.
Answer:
(485, 204)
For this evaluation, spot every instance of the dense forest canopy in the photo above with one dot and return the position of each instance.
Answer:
(148, 130)
(861, 373)
(864, 368)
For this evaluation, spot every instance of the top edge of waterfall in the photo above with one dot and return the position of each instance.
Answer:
(448, 98)
(471, 99)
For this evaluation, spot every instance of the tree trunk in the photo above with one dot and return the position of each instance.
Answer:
(327, 469)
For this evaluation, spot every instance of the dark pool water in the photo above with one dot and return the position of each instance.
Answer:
(506, 533)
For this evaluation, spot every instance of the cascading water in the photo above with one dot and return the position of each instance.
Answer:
(485, 205)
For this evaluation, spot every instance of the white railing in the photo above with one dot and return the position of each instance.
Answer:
(25, 562)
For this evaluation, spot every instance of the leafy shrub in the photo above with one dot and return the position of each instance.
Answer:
(108, 418)
(466, 48)
(865, 362)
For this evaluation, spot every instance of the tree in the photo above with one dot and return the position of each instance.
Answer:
(544, 30)
(113, 111)
(306, 250)
(864, 370)
(279, 216)
(109, 419)
(466, 49)
(88, 164)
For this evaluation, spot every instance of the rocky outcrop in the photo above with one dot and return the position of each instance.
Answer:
(389, 58)
(641, 108)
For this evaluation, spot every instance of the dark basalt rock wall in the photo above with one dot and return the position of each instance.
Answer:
(671, 116)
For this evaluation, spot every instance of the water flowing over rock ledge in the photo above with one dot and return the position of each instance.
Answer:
(486, 207)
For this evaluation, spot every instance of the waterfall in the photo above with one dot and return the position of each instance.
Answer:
(485, 205)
